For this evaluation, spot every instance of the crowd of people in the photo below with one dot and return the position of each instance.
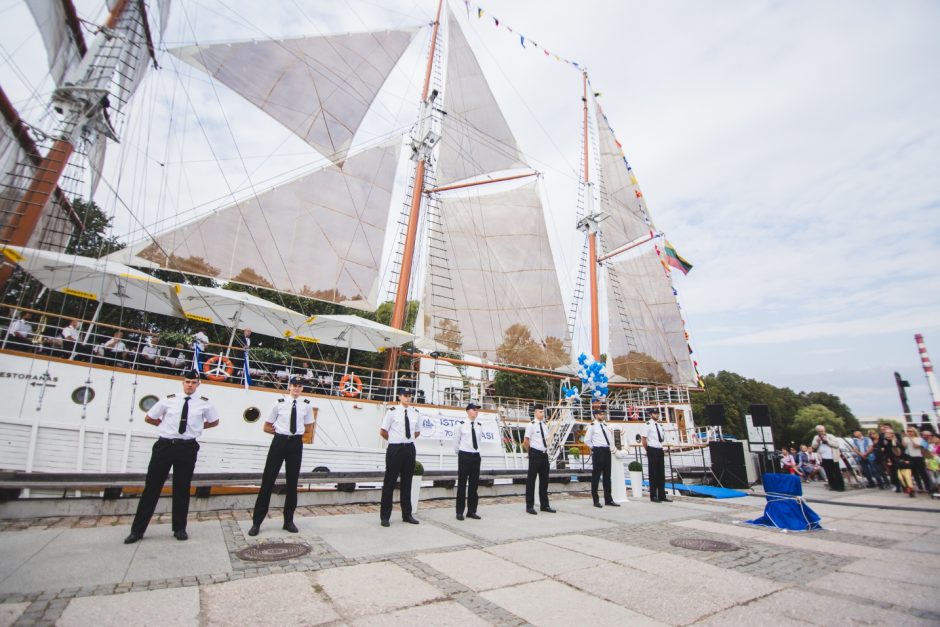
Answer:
(908, 463)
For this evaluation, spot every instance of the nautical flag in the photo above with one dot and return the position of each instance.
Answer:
(246, 374)
(197, 366)
(676, 260)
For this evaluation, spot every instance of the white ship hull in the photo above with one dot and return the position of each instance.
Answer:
(47, 425)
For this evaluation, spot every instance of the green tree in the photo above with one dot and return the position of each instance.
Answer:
(92, 240)
(806, 419)
(517, 385)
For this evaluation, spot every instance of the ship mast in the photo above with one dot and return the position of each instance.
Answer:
(931, 378)
(589, 225)
(422, 151)
(85, 107)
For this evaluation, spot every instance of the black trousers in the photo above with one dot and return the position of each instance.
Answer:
(180, 455)
(468, 471)
(657, 470)
(919, 472)
(834, 474)
(538, 467)
(399, 461)
(600, 460)
(287, 450)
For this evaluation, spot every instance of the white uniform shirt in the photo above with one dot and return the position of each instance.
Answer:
(654, 434)
(21, 328)
(463, 437)
(69, 333)
(169, 409)
(279, 416)
(535, 434)
(394, 424)
(201, 339)
(149, 350)
(595, 436)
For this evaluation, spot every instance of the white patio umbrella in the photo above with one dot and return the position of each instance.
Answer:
(352, 332)
(214, 305)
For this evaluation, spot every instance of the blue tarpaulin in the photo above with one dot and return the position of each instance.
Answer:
(785, 508)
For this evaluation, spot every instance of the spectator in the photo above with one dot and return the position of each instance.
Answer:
(67, 338)
(21, 331)
(878, 466)
(892, 451)
(914, 446)
(865, 456)
(149, 357)
(176, 359)
(931, 459)
(807, 464)
(114, 349)
(903, 464)
(788, 463)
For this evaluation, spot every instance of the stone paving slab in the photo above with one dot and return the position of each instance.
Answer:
(156, 608)
(877, 530)
(360, 535)
(552, 603)
(907, 595)
(9, 612)
(701, 590)
(161, 556)
(502, 523)
(18, 548)
(928, 544)
(442, 614)
(74, 557)
(798, 608)
(599, 547)
(542, 557)
(479, 570)
(377, 588)
(895, 570)
(280, 599)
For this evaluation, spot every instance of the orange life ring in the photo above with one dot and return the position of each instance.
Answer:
(348, 390)
(218, 368)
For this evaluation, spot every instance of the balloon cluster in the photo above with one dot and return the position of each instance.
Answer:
(571, 393)
(592, 375)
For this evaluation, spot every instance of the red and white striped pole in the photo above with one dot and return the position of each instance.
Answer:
(931, 378)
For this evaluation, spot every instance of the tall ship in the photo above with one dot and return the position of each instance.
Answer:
(353, 208)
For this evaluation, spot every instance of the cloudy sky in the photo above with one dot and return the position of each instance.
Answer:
(789, 150)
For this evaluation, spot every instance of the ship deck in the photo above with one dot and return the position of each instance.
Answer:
(580, 564)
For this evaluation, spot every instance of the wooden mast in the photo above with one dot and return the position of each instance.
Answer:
(592, 239)
(400, 305)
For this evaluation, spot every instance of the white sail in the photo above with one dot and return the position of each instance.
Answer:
(61, 47)
(318, 87)
(475, 137)
(505, 286)
(320, 235)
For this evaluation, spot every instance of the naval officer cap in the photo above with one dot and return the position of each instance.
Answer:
(472, 406)
(538, 406)
(192, 373)
(297, 381)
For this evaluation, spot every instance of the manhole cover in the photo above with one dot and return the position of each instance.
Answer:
(701, 544)
(273, 552)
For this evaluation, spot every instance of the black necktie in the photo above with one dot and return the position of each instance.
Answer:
(184, 415)
(473, 432)
(542, 431)
(659, 433)
(293, 418)
(407, 425)
(604, 431)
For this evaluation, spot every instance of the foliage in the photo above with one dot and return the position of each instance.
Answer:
(640, 367)
(635, 466)
(574, 452)
(172, 338)
(516, 385)
(92, 240)
(806, 419)
(419, 468)
(384, 314)
(737, 393)
(268, 355)
(519, 347)
(896, 426)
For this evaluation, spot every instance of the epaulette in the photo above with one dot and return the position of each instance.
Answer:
(171, 395)
(392, 408)
(461, 422)
(307, 401)
(280, 400)
(203, 398)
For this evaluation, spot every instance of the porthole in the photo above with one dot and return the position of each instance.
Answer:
(147, 402)
(251, 414)
(83, 395)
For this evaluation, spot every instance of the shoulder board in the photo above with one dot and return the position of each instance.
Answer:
(392, 408)
(461, 422)
(171, 395)
(203, 398)
(307, 401)
(533, 420)
(280, 400)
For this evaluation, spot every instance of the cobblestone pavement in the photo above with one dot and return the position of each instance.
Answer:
(582, 564)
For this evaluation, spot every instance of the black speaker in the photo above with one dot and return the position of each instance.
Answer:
(715, 414)
(728, 463)
(760, 415)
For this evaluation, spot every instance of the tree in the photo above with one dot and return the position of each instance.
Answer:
(92, 240)
(517, 385)
(640, 367)
(806, 419)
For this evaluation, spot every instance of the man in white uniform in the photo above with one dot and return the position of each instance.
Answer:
(653, 443)
(536, 443)
(401, 426)
(600, 439)
(467, 439)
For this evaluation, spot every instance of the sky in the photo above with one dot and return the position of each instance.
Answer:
(789, 150)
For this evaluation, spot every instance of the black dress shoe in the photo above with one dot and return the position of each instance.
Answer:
(531, 510)
(133, 537)
(652, 500)
(385, 523)
(665, 500)
(291, 527)
(255, 530)
(412, 520)
(612, 504)
(548, 509)
(181, 535)
(459, 516)
(474, 516)
(598, 504)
